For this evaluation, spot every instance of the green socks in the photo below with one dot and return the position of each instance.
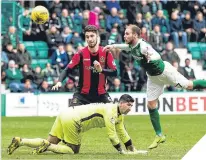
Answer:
(155, 119)
(199, 84)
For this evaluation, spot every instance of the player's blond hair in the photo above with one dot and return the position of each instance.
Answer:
(135, 29)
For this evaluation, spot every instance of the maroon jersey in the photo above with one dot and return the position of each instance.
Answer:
(90, 81)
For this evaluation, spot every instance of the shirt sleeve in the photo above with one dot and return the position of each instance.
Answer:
(110, 119)
(75, 61)
(121, 131)
(149, 52)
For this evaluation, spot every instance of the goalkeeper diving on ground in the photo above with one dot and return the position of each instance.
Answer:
(71, 123)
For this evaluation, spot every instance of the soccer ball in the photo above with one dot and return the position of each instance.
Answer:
(40, 14)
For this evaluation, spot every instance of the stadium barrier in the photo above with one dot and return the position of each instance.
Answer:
(26, 104)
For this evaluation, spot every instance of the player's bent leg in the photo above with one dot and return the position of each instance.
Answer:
(15, 143)
(59, 148)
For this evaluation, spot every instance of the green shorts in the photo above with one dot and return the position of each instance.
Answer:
(66, 129)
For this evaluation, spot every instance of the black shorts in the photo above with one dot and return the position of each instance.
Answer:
(81, 99)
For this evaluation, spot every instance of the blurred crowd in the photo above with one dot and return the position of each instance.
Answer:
(166, 25)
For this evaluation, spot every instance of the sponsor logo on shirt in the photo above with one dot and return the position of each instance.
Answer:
(91, 68)
(86, 59)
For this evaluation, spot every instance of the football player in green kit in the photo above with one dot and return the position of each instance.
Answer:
(160, 73)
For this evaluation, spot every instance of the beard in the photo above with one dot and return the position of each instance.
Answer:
(129, 42)
(92, 46)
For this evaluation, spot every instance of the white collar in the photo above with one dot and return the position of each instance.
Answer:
(139, 41)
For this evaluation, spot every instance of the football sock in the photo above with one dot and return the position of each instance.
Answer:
(199, 84)
(31, 142)
(59, 148)
(155, 119)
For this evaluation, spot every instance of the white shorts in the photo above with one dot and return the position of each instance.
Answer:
(170, 76)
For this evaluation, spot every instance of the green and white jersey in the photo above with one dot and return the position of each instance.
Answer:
(148, 58)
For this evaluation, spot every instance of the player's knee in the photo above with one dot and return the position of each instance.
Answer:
(152, 104)
(190, 85)
(75, 148)
(53, 139)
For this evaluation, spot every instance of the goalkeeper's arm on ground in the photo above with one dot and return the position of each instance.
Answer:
(123, 135)
(114, 130)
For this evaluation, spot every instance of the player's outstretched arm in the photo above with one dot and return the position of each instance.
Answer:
(118, 46)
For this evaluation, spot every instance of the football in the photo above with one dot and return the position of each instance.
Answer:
(40, 14)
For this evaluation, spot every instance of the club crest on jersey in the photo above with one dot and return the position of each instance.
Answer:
(112, 120)
(102, 59)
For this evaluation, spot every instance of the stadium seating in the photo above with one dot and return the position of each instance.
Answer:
(203, 52)
(203, 48)
(34, 63)
(29, 45)
(42, 62)
(39, 53)
(42, 49)
(194, 49)
(39, 62)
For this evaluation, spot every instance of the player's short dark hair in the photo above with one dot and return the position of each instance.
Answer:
(135, 29)
(91, 28)
(126, 98)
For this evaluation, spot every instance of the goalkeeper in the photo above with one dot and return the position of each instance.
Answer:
(72, 122)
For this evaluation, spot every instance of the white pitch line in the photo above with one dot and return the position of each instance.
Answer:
(198, 151)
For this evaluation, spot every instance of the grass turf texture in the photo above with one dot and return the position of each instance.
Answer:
(182, 132)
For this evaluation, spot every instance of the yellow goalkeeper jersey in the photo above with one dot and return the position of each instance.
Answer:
(98, 115)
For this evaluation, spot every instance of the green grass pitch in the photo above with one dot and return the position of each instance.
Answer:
(182, 132)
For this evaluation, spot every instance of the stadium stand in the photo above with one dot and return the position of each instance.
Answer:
(43, 41)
